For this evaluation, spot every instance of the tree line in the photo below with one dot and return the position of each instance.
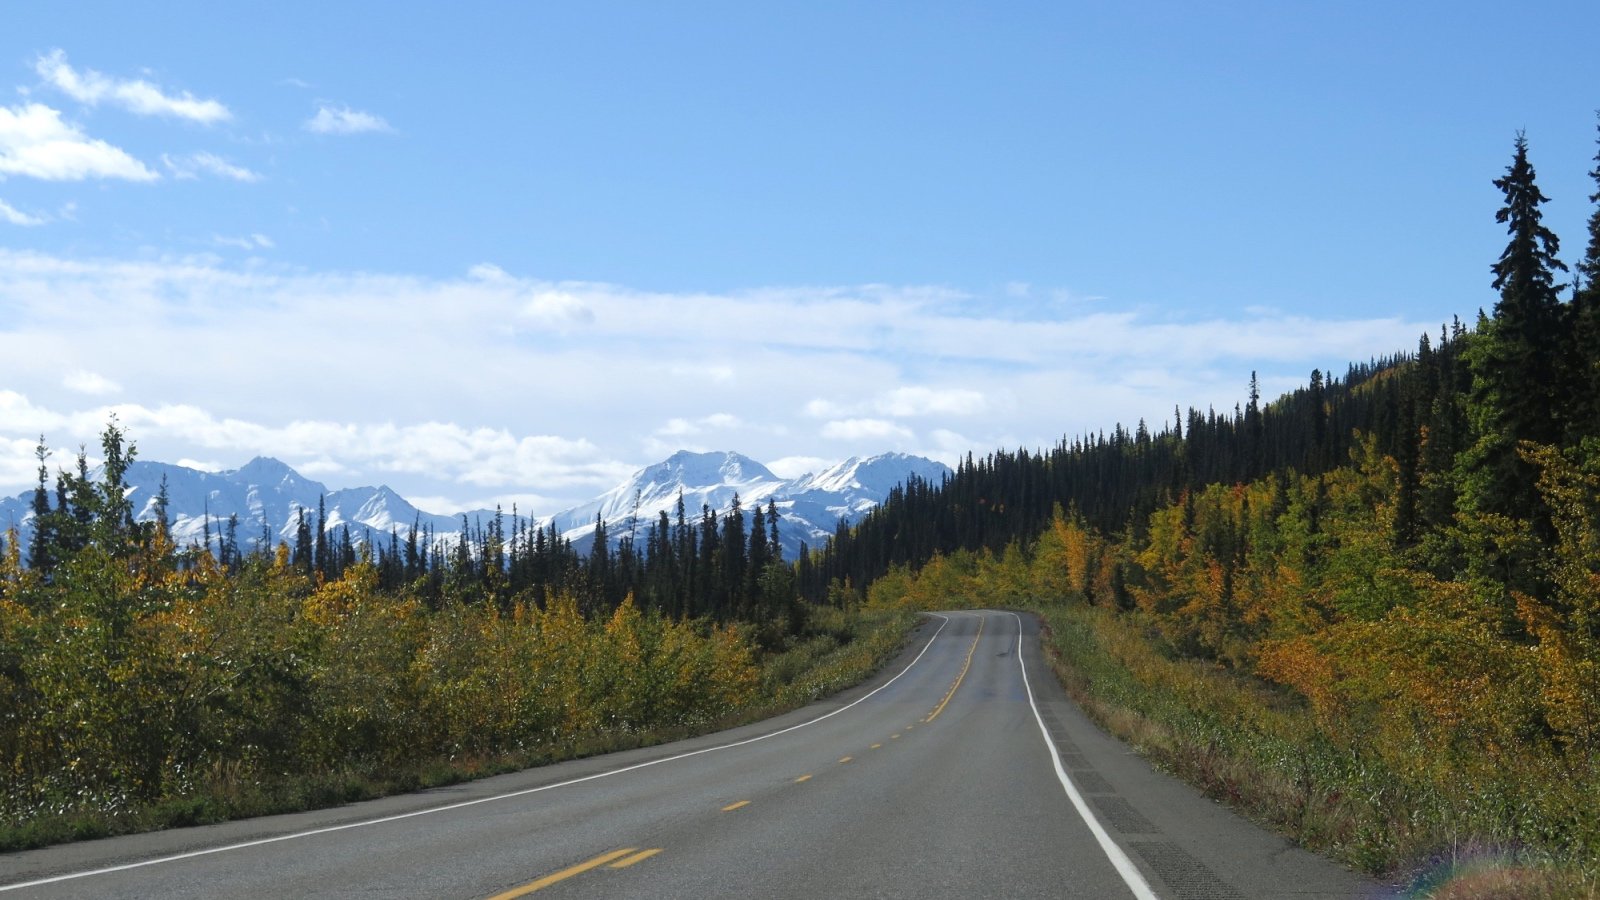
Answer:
(725, 565)
(1383, 589)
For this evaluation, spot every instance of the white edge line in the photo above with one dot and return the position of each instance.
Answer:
(465, 803)
(1125, 867)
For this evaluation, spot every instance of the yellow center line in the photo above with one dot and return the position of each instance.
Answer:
(639, 857)
(564, 874)
(846, 759)
(877, 746)
(894, 737)
(802, 778)
(940, 708)
(733, 806)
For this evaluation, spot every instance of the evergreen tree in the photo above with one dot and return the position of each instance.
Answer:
(1516, 360)
(302, 558)
(774, 546)
(320, 548)
(163, 522)
(43, 551)
(732, 564)
(230, 540)
(1584, 361)
(115, 509)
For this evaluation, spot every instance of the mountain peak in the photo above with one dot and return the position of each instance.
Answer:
(265, 468)
(688, 467)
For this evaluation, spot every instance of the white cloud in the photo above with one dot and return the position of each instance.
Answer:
(92, 383)
(556, 308)
(35, 143)
(201, 465)
(15, 216)
(321, 467)
(904, 402)
(865, 429)
(680, 427)
(344, 120)
(489, 272)
(196, 164)
(482, 457)
(792, 467)
(135, 95)
(716, 372)
(928, 401)
(255, 241)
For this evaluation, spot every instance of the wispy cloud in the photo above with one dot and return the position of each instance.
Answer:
(93, 383)
(479, 457)
(196, 164)
(133, 94)
(249, 242)
(903, 402)
(866, 429)
(9, 213)
(344, 120)
(36, 143)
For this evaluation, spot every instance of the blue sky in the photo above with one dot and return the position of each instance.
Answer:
(512, 251)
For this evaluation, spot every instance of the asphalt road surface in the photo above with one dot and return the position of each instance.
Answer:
(961, 771)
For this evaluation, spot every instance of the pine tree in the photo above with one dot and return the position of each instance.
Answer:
(302, 558)
(320, 549)
(1516, 369)
(1584, 360)
(43, 551)
(230, 541)
(115, 509)
(732, 564)
(163, 522)
(774, 546)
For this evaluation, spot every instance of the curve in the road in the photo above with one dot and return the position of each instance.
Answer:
(365, 823)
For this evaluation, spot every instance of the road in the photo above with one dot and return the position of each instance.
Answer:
(961, 771)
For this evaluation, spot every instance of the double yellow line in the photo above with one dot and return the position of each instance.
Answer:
(952, 692)
(615, 857)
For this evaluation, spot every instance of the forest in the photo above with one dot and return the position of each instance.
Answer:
(144, 684)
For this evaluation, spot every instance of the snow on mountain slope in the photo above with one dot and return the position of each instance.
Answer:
(809, 507)
(268, 497)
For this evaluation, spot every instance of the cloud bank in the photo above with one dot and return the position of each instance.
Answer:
(493, 386)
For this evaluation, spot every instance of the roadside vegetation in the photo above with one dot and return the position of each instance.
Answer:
(1366, 614)
(143, 687)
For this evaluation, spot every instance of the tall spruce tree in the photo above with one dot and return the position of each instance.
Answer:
(1516, 362)
(43, 552)
(1584, 360)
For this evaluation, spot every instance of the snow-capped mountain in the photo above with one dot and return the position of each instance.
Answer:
(265, 494)
(268, 497)
(808, 507)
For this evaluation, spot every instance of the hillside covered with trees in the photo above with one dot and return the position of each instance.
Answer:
(1381, 592)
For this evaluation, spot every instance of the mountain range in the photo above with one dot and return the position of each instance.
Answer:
(268, 496)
